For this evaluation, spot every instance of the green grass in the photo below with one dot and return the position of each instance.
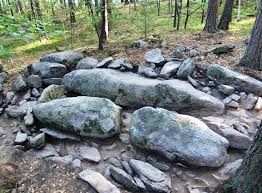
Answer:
(127, 25)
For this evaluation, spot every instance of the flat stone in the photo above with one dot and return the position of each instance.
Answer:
(68, 58)
(240, 128)
(166, 133)
(90, 154)
(116, 64)
(152, 177)
(47, 151)
(223, 75)
(139, 44)
(76, 163)
(134, 91)
(60, 134)
(123, 178)
(9, 96)
(222, 48)
(35, 92)
(192, 81)
(169, 69)
(65, 160)
(232, 104)
(154, 56)
(126, 167)
(50, 81)
(104, 63)
(186, 69)
(98, 182)
(87, 63)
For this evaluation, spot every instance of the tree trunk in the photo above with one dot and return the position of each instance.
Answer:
(238, 10)
(187, 14)
(32, 9)
(248, 178)
(211, 21)
(253, 55)
(1, 9)
(226, 15)
(72, 11)
(104, 23)
(20, 7)
(11, 10)
(38, 9)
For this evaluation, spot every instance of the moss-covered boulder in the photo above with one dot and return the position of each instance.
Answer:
(224, 75)
(177, 137)
(87, 116)
(52, 92)
(134, 91)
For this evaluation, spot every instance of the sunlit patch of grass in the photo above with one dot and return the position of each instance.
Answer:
(243, 27)
(6, 53)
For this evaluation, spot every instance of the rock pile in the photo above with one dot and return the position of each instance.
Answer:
(46, 96)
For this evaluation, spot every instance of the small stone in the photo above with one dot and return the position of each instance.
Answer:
(139, 44)
(147, 70)
(60, 134)
(240, 128)
(38, 141)
(20, 138)
(87, 63)
(35, 92)
(52, 92)
(104, 63)
(206, 89)
(127, 66)
(178, 53)
(230, 168)
(9, 96)
(169, 69)
(27, 95)
(124, 138)
(127, 167)
(194, 52)
(98, 182)
(76, 163)
(243, 96)
(211, 83)
(222, 48)
(235, 97)
(47, 151)
(140, 184)
(258, 105)
(226, 89)
(123, 178)
(90, 154)
(154, 56)
(50, 81)
(29, 119)
(233, 104)
(34, 81)
(19, 83)
(116, 64)
(115, 162)
(227, 100)
(153, 178)
(65, 160)
(250, 102)
(158, 164)
(186, 69)
(192, 81)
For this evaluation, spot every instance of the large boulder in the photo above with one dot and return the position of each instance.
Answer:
(48, 70)
(68, 58)
(240, 81)
(177, 136)
(134, 91)
(87, 116)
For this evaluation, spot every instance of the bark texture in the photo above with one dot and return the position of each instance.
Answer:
(253, 55)
(248, 178)
(211, 21)
(226, 15)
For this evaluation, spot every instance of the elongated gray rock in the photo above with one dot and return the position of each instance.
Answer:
(240, 81)
(131, 90)
(49, 70)
(87, 116)
(153, 178)
(177, 136)
(68, 58)
(98, 182)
